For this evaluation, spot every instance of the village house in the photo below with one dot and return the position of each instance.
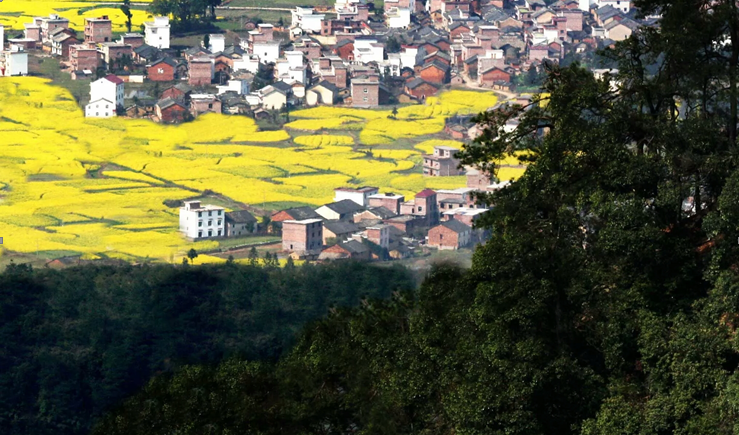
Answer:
(179, 91)
(60, 44)
(390, 201)
(297, 214)
(13, 61)
(199, 221)
(337, 231)
(405, 223)
(162, 70)
(106, 96)
(240, 223)
(171, 111)
(373, 214)
(98, 29)
(200, 71)
(156, 33)
(349, 250)
(203, 103)
(276, 95)
(442, 163)
(451, 234)
(423, 206)
(379, 235)
(341, 210)
(112, 51)
(324, 92)
(135, 40)
(455, 198)
(420, 89)
(302, 237)
(365, 93)
(360, 195)
(467, 216)
(82, 58)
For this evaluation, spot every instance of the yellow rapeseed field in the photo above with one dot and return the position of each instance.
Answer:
(98, 186)
(14, 13)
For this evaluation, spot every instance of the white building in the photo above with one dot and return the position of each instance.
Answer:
(398, 18)
(217, 43)
(202, 221)
(368, 50)
(306, 19)
(621, 5)
(2, 37)
(13, 61)
(241, 87)
(109, 87)
(100, 108)
(359, 195)
(343, 4)
(156, 33)
(409, 57)
(250, 62)
(291, 69)
(268, 51)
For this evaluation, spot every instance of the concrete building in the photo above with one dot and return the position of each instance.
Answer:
(112, 51)
(13, 61)
(98, 29)
(303, 237)
(241, 87)
(442, 163)
(379, 235)
(156, 33)
(106, 95)
(307, 19)
(368, 50)
(360, 195)
(390, 201)
(268, 51)
(217, 43)
(199, 221)
(338, 231)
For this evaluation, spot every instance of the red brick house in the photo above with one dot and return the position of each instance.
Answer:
(420, 89)
(304, 237)
(458, 29)
(163, 70)
(200, 71)
(435, 72)
(177, 92)
(345, 50)
(491, 75)
(297, 213)
(170, 111)
(451, 234)
(83, 57)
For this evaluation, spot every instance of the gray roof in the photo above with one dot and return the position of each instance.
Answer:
(382, 212)
(340, 228)
(301, 213)
(416, 82)
(344, 206)
(240, 216)
(354, 246)
(168, 102)
(456, 226)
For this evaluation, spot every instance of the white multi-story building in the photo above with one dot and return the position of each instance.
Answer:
(106, 94)
(13, 61)
(398, 18)
(621, 5)
(268, 51)
(307, 19)
(291, 69)
(217, 43)
(156, 33)
(199, 221)
(241, 87)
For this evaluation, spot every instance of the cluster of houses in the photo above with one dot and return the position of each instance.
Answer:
(362, 223)
(349, 54)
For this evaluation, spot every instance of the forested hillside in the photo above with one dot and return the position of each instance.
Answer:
(77, 341)
(606, 301)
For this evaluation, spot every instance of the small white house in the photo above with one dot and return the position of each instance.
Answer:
(368, 50)
(100, 108)
(360, 195)
(156, 33)
(241, 87)
(217, 43)
(14, 61)
(268, 51)
(398, 18)
(199, 221)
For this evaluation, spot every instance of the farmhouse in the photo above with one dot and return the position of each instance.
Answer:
(199, 221)
(451, 234)
(303, 237)
(350, 250)
(240, 223)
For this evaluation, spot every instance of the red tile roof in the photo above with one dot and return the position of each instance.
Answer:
(113, 78)
(425, 193)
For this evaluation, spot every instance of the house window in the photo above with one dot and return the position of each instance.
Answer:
(200, 214)
(210, 223)
(210, 233)
(210, 106)
(291, 246)
(200, 224)
(160, 70)
(420, 209)
(365, 99)
(219, 222)
(366, 90)
(219, 212)
(219, 232)
(200, 234)
(210, 213)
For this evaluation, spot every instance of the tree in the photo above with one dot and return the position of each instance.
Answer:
(206, 41)
(192, 254)
(126, 9)
(289, 263)
(392, 45)
(253, 256)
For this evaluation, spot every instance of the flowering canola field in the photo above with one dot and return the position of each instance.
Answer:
(14, 13)
(98, 186)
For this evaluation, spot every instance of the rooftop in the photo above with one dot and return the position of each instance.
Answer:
(303, 222)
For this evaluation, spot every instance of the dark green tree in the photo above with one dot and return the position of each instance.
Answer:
(192, 254)
(126, 9)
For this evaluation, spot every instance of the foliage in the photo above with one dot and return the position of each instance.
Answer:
(77, 341)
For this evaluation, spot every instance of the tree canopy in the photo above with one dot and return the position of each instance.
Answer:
(605, 302)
